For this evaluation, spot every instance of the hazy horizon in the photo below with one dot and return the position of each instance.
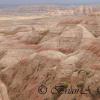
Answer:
(67, 2)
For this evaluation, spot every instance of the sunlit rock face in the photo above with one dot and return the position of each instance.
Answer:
(84, 10)
(46, 48)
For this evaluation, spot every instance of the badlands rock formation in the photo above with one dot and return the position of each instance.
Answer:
(50, 51)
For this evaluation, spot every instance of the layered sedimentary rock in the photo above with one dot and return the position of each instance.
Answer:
(63, 51)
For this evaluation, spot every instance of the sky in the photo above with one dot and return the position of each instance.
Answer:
(14, 2)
